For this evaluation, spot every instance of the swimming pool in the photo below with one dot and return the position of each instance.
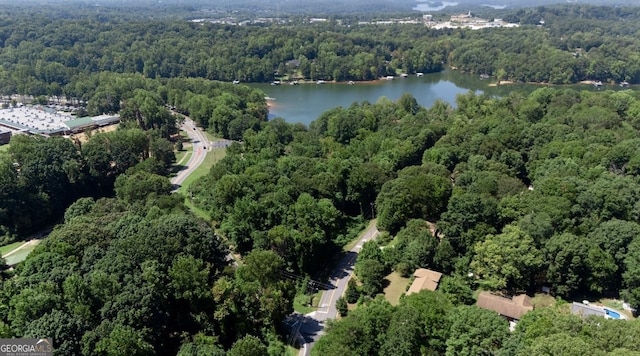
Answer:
(612, 314)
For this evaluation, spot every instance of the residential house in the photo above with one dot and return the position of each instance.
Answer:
(424, 279)
(511, 308)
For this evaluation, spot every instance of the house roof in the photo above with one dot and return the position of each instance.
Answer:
(424, 279)
(512, 308)
(79, 122)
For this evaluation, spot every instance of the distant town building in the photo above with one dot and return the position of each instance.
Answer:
(402, 21)
(40, 120)
(5, 136)
(465, 21)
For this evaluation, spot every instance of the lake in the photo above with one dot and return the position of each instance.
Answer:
(426, 5)
(305, 102)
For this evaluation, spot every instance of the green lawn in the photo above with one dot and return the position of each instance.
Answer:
(397, 286)
(541, 300)
(183, 157)
(213, 156)
(211, 137)
(616, 305)
(10, 247)
(300, 303)
(4, 148)
(197, 211)
(22, 254)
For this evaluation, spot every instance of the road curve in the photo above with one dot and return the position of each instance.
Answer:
(200, 146)
(312, 324)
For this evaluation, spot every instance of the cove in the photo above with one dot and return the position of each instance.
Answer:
(305, 102)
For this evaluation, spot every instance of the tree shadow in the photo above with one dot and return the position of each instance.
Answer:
(343, 269)
(178, 167)
(308, 328)
(385, 283)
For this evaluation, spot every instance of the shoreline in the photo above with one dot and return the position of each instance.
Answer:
(400, 77)
(346, 82)
(502, 82)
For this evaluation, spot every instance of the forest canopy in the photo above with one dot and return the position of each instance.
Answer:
(49, 55)
(507, 194)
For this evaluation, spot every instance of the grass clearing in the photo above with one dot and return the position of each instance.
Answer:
(612, 303)
(543, 300)
(85, 136)
(187, 148)
(196, 210)
(291, 351)
(211, 137)
(183, 157)
(22, 254)
(305, 304)
(213, 156)
(397, 286)
(4, 148)
(10, 247)
(616, 305)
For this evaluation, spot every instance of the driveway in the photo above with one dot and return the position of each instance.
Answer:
(311, 325)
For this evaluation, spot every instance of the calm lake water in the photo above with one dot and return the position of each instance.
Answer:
(426, 5)
(305, 102)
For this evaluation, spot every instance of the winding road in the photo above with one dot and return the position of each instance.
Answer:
(200, 146)
(312, 324)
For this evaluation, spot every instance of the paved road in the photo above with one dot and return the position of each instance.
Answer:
(311, 325)
(200, 146)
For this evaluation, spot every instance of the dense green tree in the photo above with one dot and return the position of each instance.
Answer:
(201, 345)
(561, 344)
(342, 307)
(248, 346)
(507, 260)
(630, 278)
(352, 294)
(430, 307)
(571, 263)
(370, 273)
(411, 196)
(368, 324)
(457, 289)
(139, 186)
(123, 340)
(416, 245)
(475, 331)
(466, 214)
(403, 335)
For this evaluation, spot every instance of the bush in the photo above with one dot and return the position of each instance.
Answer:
(352, 293)
(404, 269)
(341, 305)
